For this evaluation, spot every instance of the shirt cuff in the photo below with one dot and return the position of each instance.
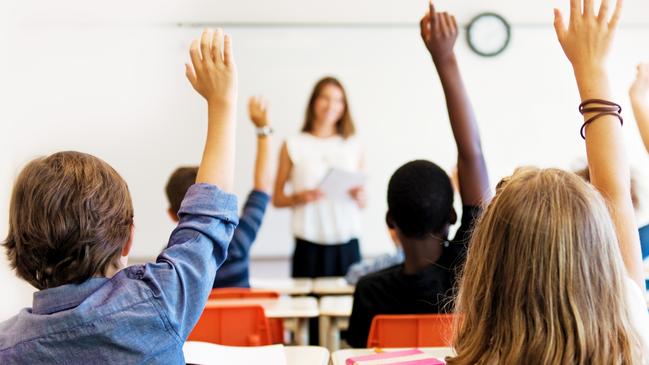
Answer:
(209, 200)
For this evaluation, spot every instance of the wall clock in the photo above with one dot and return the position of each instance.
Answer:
(488, 34)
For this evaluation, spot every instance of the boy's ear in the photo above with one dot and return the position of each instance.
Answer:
(129, 244)
(172, 215)
(389, 221)
(452, 219)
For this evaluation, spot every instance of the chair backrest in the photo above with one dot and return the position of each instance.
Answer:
(242, 293)
(411, 330)
(233, 326)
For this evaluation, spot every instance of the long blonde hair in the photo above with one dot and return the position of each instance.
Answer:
(544, 278)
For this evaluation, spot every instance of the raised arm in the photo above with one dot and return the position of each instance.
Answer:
(639, 92)
(213, 74)
(258, 111)
(586, 42)
(439, 32)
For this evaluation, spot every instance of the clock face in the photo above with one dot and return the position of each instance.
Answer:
(488, 34)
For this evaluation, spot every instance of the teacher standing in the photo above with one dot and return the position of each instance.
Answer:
(326, 229)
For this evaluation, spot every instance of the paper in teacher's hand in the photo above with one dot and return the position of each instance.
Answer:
(337, 183)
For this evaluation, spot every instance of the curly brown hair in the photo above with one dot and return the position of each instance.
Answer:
(70, 215)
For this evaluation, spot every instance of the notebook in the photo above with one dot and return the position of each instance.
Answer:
(404, 357)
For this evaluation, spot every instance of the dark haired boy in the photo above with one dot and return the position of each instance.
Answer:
(234, 273)
(420, 207)
(71, 229)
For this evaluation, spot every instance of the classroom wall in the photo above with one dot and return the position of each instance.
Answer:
(107, 78)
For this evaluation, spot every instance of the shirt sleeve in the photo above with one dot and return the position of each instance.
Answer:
(249, 224)
(181, 277)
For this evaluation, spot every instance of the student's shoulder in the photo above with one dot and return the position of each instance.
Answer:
(379, 280)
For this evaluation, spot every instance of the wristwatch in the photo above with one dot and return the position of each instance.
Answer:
(264, 131)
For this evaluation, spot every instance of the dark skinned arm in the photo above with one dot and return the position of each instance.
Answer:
(439, 32)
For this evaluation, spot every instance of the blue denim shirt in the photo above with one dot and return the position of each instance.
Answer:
(144, 313)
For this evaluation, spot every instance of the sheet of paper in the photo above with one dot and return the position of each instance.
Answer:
(337, 183)
(203, 353)
(410, 357)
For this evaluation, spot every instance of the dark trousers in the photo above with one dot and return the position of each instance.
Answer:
(313, 260)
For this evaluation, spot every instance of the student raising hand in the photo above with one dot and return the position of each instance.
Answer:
(586, 42)
(439, 32)
(213, 74)
(638, 93)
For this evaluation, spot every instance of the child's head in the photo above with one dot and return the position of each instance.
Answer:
(177, 186)
(544, 279)
(70, 219)
(420, 200)
(328, 104)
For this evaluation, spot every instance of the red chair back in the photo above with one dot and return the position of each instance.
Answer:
(411, 330)
(242, 293)
(233, 326)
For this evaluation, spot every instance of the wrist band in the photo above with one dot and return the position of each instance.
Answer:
(264, 131)
(611, 109)
(598, 101)
(586, 123)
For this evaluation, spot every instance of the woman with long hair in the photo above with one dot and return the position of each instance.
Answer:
(326, 228)
(554, 272)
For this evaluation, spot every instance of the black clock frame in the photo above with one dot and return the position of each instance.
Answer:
(470, 41)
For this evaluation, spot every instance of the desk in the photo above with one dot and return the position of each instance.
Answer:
(334, 316)
(309, 355)
(284, 286)
(339, 357)
(204, 353)
(331, 286)
(295, 311)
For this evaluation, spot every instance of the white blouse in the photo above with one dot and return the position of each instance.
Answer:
(326, 221)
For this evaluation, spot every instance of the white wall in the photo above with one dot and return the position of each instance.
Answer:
(107, 78)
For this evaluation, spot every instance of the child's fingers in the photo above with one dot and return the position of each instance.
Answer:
(575, 9)
(559, 25)
(194, 54)
(612, 24)
(444, 27)
(206, 44)
(453, 24)
(191, 75)
(228, 56)
(217, 46)
(588, 7)
(603, 11)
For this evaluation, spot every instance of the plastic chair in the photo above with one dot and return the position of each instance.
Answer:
(242, 293)
(276, 324)
(233, 326)
(411, 330)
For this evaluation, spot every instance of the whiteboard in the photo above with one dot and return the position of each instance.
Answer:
(118, 92)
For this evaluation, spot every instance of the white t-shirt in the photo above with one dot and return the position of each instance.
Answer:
(326, 221)
(639, 315)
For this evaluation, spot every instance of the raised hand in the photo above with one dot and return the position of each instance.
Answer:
(213, 72)
(587, 39)
(439, 32)
(258, 111)
(640, 87)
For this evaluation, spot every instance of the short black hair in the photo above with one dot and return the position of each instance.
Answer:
(178, 184)
(420, 198)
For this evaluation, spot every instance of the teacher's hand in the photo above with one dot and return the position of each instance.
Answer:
(307, 196)
(359, 196)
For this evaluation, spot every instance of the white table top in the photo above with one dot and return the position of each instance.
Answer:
(287, 286)
(339, 357)
(284, 307)
(336, 306)
(332, 285)
(208, 353)
(311, 355)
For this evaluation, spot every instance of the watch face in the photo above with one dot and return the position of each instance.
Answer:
(488, 34)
